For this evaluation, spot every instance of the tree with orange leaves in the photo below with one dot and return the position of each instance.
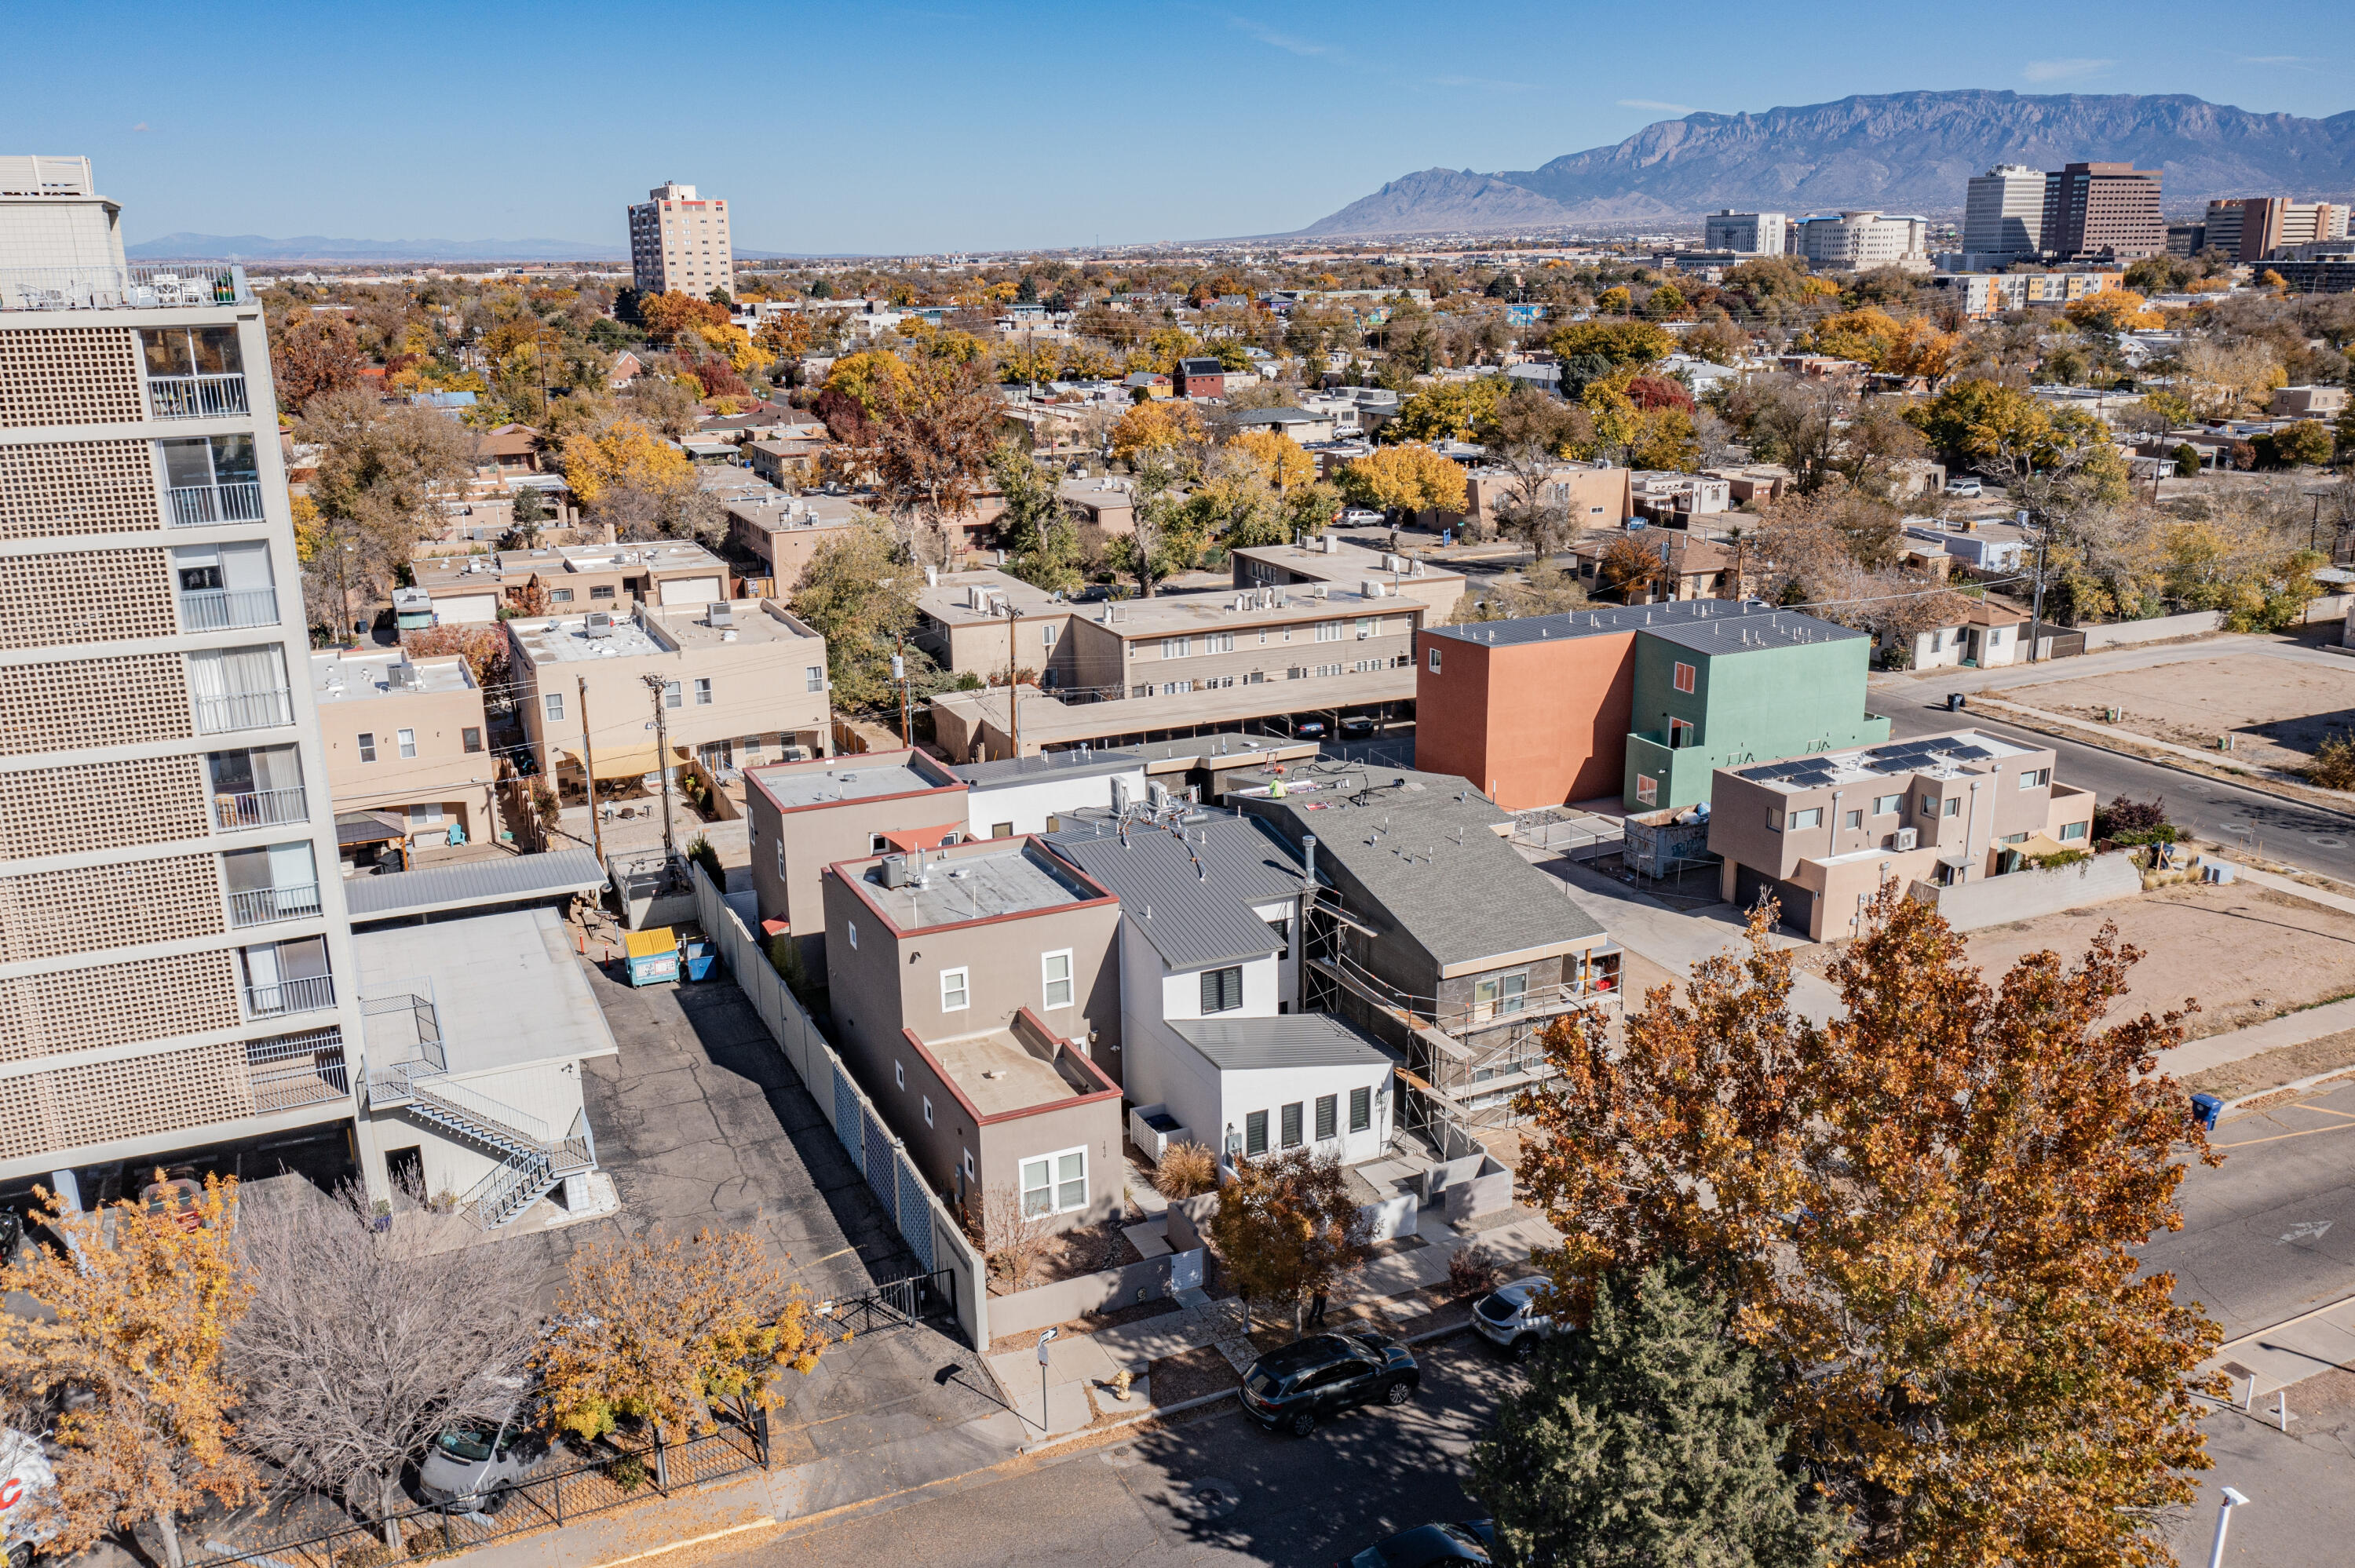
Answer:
(1924, 1211)
(136, 1314)
(668, 315)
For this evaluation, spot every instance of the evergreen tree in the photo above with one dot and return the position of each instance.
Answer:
(1644, 1440)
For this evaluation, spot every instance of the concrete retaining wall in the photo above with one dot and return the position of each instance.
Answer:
(1065, 1299)
(1190, 1220)
(1489, 1193)
(2024, 894)
(2126, 633)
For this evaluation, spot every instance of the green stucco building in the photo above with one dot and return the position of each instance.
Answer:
(1723, 692)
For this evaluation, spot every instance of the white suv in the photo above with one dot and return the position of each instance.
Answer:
(1962, 487)
(1507, 1316)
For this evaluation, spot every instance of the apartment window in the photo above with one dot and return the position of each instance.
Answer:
(2071, 830)
(1219, 642)
(1434, 660)
(899, 1074)
(1853, 820)
(1773, 818)
(849, 927)
(1047, 633)
(672, 697)
(1055, 1183)
(1255, 1133)
(1361, 1109)
(1055, 973)
(814, 678)
(1329, 1117)
(1365, 626)
(955, 996)
(408, 739)
(1813, 817)
(1143, 690)
(1886, 805)
(1222, 989)
(1495, 995)
(1954, 806)
(703, 691)
(1680, 735)
(1929, 805)
(928, 1110)
(1684, 677)
(1281, 928)
(2036, 779)
(1647, 789)
(368, 746)
(560, 596)
(598, 593)
(1177, 647)
(1172, 688)
(554, 702)
(1292, 1124)
(1329, 631)
(471, 738)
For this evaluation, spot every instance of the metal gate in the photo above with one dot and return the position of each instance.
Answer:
(898, 1303)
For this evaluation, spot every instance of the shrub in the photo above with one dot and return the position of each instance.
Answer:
(2333, 766)
(2186, 461)
(699, 851)
(2057, 858)
(1186, 1170)
(1473, 1271)
(2134, 822)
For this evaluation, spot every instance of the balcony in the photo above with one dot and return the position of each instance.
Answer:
(196, 396)
(288, 1071)
(193, 506)
(260, 808)
(106, 287)
(227, 610)
(261, 905)
(308, 994)
(244, 710)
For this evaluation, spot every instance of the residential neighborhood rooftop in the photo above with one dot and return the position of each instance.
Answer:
(1188, 887)
(1080, 762)
(1288, 1040)
(1699, 623)
(951, 597)
(666, 558)
(1941, 756)
(829, 780)
(994, 1070)
(572, 641)
(341, 678)
(954, 889)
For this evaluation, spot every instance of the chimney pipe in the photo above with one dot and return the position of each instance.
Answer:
(1308, 844)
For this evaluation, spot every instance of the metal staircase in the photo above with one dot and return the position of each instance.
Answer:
(532, 1160)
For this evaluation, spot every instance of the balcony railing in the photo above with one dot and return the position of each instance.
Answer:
(193, 506)
(244, 710)
(197, 397)
(260, 906)
(227, 610)
(308, 994)
(106, 287)
(291, 1070)
(261, 808)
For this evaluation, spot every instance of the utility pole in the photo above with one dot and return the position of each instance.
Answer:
(2036, 616)
(589, 769)
(900, 674)
(655, 684)
(1013, 691)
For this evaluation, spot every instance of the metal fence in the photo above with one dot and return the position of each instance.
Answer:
(614, 1475)
(931, 1232)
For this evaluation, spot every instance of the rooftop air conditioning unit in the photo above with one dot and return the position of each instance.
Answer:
(405, 675)
(719, 613)
(1322, 590)
(599, 623)
(1156, 793)
(1908, 838)
(895, 870)
(1370, 588)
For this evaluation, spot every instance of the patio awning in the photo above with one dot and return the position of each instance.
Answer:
(620, 762)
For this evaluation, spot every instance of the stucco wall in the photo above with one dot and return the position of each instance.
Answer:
(1029, 803)
(1474, 718)
(2025, 895)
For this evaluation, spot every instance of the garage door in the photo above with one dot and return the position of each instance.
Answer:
(690, 590)
(1798, 904)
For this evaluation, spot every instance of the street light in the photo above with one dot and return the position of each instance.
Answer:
(2232, 1500)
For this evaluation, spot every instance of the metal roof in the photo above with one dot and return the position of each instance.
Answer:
(473, 884)
(1423, 849)
(1604, 620)
(1078, 763)
(1190, 897)
(1289, 1040)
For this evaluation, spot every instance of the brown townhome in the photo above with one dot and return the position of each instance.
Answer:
(569, 579)
(970, 987)
(405, 741)
(803, 817)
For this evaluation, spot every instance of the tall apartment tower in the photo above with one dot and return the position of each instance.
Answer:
(2250, 228)
(176, 964)
(1744, 233)
(2102, 211)
(678, 241)
(2003, 213)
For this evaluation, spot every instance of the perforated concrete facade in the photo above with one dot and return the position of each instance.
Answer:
(53, 489)
(78, 702)
(85, 596)
(70, 376)
(101, 806)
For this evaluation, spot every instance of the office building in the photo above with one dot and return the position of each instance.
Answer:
(177, 971)
(2003, 214)
(1746, 233)
(2104, 210)
(678, 242)
(2250, 228)
(1853, 241)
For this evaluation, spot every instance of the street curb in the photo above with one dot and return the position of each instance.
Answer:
(2300, 1085)
(1197, 1403)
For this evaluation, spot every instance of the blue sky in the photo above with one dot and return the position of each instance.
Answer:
(880, 128)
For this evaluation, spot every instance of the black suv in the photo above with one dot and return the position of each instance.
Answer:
(1287, 1390)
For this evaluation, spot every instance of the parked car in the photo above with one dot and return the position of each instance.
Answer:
(1357, 726)
(1467, 1541)
(24, 1473)
(475, 1467)
(1291, 1389)
(1962, 487)
(1509, 1316)
(1360, 517)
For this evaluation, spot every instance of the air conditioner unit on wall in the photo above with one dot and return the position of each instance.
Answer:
(1908, 838)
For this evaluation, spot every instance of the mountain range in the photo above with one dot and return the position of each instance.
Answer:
(1899, 151)
(319, 248)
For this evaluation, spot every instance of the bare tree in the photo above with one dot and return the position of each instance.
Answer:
(362, 1343)
(1011, 1238)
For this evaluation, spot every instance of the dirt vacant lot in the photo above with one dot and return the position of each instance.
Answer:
(2246, 953)
(2279, 710)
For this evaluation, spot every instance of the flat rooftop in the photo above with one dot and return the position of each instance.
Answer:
(1704, 625)
(569, 642)
(508, 990)
(1343, 560)
(794, 785)
(948, 599)
(996, 1074)
(339, 678)
(1214, 609)
(1047, 722)
(961, 888)
(447, 572)
(777, 513)
(1085, 762)
(749, 621)
(1933, 755)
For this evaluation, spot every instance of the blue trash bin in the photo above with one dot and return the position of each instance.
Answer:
(700, 957)
(2204, 1108)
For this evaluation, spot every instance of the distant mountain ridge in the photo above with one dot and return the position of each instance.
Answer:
(1897, 152)
(320, 248)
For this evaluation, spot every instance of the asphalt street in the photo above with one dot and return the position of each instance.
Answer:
(2270, 1232)
(1219, 1490)
(2266, 825)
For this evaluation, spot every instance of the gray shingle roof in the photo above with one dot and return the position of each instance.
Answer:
(1197, 917)
(1422, 846)
(473, 884)
(1291, 1040)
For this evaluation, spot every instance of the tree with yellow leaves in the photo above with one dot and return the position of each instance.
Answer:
(623, 454)
(1924, 1210)
(668, 315)
(1163, 425)
(126, 1345)
(1409, 478)
(656, 1331)
(734, 343)
(786, 335)
(1282, 460)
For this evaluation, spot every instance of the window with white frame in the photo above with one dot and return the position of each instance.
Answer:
(850, 928)
(814, 678)
(408, 739)
(955, 995)
(672, 696)
(1434, 660)
(703, 691)
(1055, 973)
(1886, 805)
(368, 746)
(1647, 789)
(1329, 631)
(2036, 779)
(1047, 633)
(555, 704)
(1361, 1109)
(1219, 642)
(1177, 647)
(1055, 1183)
(1813, 817)
(2071, 830)
(780, 859)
